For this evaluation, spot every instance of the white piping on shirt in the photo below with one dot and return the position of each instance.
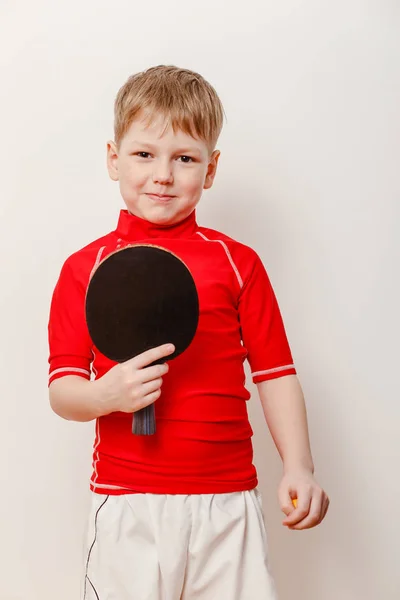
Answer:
(225, 247)
(69, 369)
(108, 486)
(97, 261)
(275, 370)
(93, 367)
(96, 456)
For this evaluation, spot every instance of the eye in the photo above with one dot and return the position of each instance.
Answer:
(186, 157)
(140, 153)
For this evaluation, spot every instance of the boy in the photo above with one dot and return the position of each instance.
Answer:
(178, 515)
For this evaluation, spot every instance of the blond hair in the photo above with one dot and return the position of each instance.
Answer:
(184, 98)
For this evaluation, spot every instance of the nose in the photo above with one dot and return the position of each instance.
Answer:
(162, 172)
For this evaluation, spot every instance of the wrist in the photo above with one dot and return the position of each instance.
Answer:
(298, 465)
(100, 399)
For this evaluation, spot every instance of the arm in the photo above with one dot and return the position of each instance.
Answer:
(284, 408)
(285, 413)
(75, 399)
(126, 387)
(264, 337)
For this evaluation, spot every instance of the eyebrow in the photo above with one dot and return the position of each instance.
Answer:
(183, 150)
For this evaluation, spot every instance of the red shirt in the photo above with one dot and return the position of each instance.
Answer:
(203, 438)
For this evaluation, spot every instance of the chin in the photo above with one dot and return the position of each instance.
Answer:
(164, 219)
(163, 216)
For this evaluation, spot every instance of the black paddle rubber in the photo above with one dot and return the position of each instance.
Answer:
(138, 298)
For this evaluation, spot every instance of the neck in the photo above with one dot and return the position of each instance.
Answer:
(132, 228)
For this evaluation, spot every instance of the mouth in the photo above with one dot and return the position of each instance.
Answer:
(160, 197)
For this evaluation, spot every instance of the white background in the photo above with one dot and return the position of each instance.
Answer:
(308, 176)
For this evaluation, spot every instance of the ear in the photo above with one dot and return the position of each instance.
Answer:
(112, 160)
(211, 169)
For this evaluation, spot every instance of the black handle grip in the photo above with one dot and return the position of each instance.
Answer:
(144, 421)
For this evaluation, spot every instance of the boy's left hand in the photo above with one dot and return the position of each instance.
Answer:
(312, 501)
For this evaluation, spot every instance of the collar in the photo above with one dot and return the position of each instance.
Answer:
(133, 228)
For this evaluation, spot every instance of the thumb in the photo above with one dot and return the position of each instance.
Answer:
(287, 502)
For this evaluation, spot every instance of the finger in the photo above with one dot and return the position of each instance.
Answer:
(149, 399)
(151, 386)
(151, 373)
(286, 501)
(314, 515)
(325, 507)
(146, 358)
(300, 512)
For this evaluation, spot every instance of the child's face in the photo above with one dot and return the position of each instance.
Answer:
(174, 165)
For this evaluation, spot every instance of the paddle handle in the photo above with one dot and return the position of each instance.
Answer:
(144, 421)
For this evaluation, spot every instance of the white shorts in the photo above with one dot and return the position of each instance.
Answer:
(177, 547)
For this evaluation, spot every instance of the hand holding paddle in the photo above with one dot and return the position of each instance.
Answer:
(133, 384)
(140, 298)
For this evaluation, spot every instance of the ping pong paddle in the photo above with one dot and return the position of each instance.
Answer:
(138, 298)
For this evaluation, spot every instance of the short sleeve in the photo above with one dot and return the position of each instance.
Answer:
(70, 347)
(263, 331)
